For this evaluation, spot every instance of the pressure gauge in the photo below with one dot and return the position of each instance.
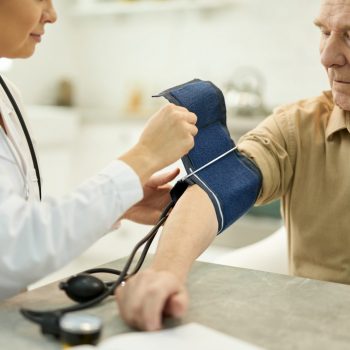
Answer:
(78, 329)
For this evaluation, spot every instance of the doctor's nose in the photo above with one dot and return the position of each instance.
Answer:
(49, 14)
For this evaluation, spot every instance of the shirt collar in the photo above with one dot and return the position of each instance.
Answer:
(339, 120)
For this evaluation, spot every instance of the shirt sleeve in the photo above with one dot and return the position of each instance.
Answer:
(36, 238)
(271, 146)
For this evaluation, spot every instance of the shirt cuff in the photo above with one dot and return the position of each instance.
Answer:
(126, 181)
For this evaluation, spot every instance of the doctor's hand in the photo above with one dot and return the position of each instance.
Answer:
(148, 296)
(156, 197)
(167, 136)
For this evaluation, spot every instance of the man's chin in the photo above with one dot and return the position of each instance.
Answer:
(342, 100)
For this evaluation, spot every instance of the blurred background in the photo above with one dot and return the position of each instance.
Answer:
(88, 91)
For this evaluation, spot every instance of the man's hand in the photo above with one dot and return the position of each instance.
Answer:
(156, 197)
(160, 290)
(149, 295)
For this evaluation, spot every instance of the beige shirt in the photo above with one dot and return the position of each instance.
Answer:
(303, 152)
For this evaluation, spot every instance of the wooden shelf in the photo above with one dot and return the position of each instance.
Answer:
(115, 7)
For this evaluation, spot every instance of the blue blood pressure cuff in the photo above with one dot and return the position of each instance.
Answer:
(232, 182)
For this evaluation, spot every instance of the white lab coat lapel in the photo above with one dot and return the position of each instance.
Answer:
(18, 144)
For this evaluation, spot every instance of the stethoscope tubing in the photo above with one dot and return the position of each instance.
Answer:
(25, 131)
(40, 316)
(20, 161)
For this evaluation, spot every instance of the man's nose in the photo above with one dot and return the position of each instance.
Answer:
(333, 52)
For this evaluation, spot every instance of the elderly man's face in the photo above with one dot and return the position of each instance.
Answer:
(334, 23)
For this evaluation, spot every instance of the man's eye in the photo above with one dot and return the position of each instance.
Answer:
(325, 33)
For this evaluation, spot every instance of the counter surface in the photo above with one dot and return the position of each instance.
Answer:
(265, 309)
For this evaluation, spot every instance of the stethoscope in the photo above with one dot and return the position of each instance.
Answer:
(84, 288)
(26, 134)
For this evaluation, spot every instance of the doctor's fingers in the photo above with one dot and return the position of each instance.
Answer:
(190, 117)
(174, 107)
(184, 133)
(193, 130)
(162, 179)
(186, 116)
(181, 113)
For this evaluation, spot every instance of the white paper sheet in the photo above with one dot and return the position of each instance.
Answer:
(188, 337)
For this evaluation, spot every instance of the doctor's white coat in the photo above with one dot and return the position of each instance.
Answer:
(37, 238)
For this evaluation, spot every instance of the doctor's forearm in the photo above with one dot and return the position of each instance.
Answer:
(189, 230)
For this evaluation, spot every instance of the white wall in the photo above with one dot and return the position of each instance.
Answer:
(107, 56)
(53, 59)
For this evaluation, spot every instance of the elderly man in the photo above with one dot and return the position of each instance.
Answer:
(302, 151)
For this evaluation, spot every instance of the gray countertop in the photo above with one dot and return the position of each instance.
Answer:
(268, 310)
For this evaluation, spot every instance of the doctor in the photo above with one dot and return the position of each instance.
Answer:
(39, 236)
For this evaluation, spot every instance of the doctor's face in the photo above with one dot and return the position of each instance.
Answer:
(334, 23)
(22, 25)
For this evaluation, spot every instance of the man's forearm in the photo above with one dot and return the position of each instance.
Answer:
(160, 289)
(189, 230)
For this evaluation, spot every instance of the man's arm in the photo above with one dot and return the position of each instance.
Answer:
(189, 230)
